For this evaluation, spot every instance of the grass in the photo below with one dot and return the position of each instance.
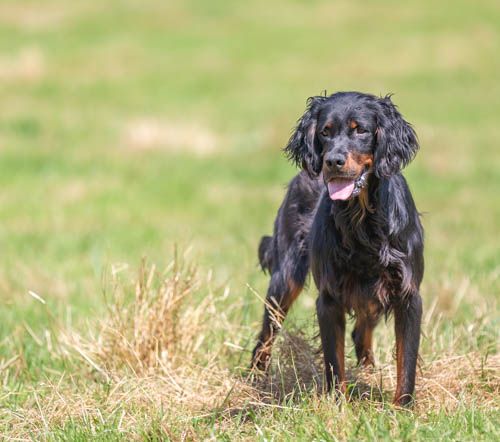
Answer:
(96, 172)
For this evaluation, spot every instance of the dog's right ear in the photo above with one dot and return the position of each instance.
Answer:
(304, 148)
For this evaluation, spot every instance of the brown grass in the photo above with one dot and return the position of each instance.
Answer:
(160, 348)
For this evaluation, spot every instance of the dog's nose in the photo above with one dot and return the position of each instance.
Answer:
(335, 161)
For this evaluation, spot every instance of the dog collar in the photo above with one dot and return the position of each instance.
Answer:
(360, 184)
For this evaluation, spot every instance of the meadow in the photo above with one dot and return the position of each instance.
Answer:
(140, 163)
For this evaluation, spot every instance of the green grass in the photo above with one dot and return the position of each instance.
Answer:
(77, 195)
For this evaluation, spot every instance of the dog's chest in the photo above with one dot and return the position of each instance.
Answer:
(358, 248)
(353, 270)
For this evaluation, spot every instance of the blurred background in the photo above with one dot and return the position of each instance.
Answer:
(127, 127)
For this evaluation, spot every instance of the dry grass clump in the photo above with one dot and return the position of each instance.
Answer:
(296, 367)
(164, 332)
(158, 327)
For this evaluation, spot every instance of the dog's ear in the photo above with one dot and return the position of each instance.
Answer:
(304, 148)
(397, 142)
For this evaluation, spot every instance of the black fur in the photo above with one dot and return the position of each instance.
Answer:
(365, 253)
(303, 146)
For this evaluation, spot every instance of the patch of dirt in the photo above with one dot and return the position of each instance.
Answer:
(175, 136)
(28, 64)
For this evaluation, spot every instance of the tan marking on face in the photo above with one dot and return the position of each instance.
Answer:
(353, 124)
(357, 163)
(364, 159)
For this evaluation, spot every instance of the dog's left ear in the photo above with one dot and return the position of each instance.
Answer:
(397, 142)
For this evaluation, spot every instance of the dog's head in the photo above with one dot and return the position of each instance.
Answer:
(349, 135)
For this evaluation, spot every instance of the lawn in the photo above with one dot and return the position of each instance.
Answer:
(141, 140)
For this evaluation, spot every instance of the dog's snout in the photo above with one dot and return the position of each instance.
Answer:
(335, 161)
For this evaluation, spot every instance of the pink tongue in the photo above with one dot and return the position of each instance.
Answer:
(340, 189)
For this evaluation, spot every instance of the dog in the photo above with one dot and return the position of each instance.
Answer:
(350, 218)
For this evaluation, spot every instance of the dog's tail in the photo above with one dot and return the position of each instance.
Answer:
(266, 253)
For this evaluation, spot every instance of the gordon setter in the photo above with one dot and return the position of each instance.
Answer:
(349, 216)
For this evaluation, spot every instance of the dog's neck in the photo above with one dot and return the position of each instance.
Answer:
(357, 219)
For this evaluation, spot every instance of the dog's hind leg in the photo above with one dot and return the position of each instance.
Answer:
(362, 337)
(284, 288)
(280, 297)
(362, 334)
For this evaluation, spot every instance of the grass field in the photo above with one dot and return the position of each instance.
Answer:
(139, 139)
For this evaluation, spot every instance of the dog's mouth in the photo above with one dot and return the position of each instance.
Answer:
(344, 188)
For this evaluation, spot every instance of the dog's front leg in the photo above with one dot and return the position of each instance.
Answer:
(331, 320)
(407, 319)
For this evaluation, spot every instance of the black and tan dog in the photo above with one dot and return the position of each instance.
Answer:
(350, 218)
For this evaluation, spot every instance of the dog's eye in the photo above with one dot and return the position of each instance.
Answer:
(325, 133)
(360, 130)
